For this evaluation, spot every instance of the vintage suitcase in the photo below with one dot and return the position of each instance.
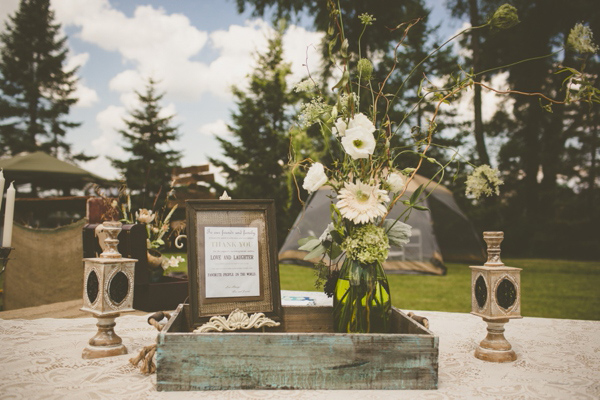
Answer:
(147, 296)
(303, 353)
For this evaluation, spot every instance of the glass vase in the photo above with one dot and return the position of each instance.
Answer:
(361, 301)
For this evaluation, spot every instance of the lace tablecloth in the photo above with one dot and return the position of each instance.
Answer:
(557, 359)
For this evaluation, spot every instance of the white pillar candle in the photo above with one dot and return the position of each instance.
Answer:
(8, 216)
(1, 187)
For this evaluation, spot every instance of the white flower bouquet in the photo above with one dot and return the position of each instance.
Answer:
(371, 176)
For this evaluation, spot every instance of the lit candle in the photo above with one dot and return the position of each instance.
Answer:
(1, 187)
(8, 216)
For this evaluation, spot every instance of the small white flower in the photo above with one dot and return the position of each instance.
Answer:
(362, 203)
(304, 86)
(581, 39)
(396, 182)
(339, 128)
(326, 235)
(315, 178)
(362, 121)
(144, 216)
(484, 180)
(358, 142)
(173, 262)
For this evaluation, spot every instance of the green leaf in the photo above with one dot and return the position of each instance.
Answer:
(310, 245)
(420, 208)
(335, 251)
(303, 241)
(331, 45)
(344, 48)
(343, 81)
(319, 250)
(415, 196)
(336, 236)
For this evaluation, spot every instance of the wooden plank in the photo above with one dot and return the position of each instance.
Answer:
(196, 169)
(296, 361)
(301, 360)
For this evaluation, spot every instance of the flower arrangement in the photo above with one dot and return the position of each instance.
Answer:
(370, 176)
(157, 225)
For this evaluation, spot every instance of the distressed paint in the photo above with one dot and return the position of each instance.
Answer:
(405, 359)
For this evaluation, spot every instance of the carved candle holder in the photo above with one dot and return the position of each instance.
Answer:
(496, 297)
(107, 292)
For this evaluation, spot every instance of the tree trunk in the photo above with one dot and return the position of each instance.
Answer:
(478, 120)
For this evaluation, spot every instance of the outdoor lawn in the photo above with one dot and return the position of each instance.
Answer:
(549, 288)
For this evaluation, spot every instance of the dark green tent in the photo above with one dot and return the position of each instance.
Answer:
(46, 172)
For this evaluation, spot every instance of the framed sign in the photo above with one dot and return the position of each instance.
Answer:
(232, 258)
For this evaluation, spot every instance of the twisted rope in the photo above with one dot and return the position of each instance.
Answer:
(146, 356)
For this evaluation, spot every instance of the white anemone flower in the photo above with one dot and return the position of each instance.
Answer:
(362, 203)
(315, 178)
(358, 142)
(340, 127)
(362, 121)
(396, 182)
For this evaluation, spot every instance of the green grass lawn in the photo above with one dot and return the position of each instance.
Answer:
(549, 288)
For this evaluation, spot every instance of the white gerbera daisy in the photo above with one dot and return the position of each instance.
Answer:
(362, 203)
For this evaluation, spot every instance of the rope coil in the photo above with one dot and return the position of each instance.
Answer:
(146, 356)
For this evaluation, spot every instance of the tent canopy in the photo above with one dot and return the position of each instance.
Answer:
(43, 170)
(442, 233)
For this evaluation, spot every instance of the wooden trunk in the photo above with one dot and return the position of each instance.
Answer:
(303, 353)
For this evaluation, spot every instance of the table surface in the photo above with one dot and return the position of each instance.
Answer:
(557, 359)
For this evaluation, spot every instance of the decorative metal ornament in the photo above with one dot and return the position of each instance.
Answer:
(108, 283)
(496, 297)
(238, 319)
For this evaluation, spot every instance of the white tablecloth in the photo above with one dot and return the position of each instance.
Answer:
(557, 359)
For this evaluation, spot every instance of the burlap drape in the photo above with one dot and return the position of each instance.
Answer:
(46, 266)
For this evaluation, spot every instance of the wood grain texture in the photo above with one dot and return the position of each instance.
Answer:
(312, 357)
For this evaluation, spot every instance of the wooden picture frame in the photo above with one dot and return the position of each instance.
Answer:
(232, 258)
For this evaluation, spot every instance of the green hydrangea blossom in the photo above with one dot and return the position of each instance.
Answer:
(367, 244)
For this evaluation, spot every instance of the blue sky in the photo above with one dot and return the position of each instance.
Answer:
(196, 48)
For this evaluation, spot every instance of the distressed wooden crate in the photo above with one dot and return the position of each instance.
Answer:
(303, 353)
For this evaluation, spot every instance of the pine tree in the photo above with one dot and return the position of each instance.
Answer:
(259, 148)
(148, 135)
(35, 92)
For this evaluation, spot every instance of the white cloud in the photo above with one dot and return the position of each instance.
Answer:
(215, 128)
(76, 60)
(155, 44)
(301, 48)
(110, 121)
(7, 7)
(86, 96)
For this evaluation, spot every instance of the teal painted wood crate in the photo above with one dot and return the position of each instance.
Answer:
(302, 353)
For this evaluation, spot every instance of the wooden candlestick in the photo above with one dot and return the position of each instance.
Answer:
(106, 342)
(496, 297)
(107, 292)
